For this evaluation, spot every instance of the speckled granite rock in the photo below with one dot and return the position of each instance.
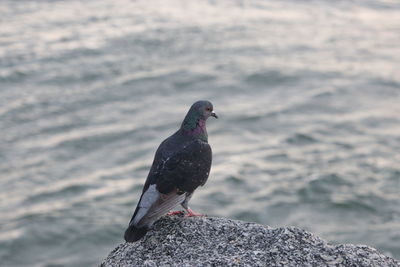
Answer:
(205, 241)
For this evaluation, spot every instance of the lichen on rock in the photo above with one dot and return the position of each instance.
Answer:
(208, 241)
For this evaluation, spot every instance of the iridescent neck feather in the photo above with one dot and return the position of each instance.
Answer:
(195, 126)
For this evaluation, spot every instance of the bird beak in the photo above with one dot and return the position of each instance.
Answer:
(214, 115)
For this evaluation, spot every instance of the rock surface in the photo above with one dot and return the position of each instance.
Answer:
(205, 241)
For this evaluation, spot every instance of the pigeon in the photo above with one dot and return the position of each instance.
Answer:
(181, 164)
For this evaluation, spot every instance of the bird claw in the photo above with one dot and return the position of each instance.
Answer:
(191, 213)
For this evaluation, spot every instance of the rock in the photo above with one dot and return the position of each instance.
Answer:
(206, 241)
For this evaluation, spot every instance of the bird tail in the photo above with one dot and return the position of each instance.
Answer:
(133, 233)
(152, 205)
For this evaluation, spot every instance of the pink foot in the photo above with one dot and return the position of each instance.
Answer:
(178, 212)
(191, 213)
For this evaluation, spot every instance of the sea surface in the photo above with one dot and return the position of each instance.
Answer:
(308, 95)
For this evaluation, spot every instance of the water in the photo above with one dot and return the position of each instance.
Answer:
(307, 92)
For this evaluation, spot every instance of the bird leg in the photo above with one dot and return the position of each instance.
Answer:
(190, 212)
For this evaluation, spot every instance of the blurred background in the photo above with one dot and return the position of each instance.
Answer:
(307, 92)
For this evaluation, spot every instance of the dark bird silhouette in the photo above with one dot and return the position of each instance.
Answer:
(181, 164)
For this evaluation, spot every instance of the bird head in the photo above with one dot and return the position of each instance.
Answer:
(198, 113)
(203, 109)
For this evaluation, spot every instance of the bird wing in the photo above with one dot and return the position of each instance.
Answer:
(169, 178)
(153, 205)
(186, 169)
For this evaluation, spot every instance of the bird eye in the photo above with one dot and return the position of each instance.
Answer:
(208, 109)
